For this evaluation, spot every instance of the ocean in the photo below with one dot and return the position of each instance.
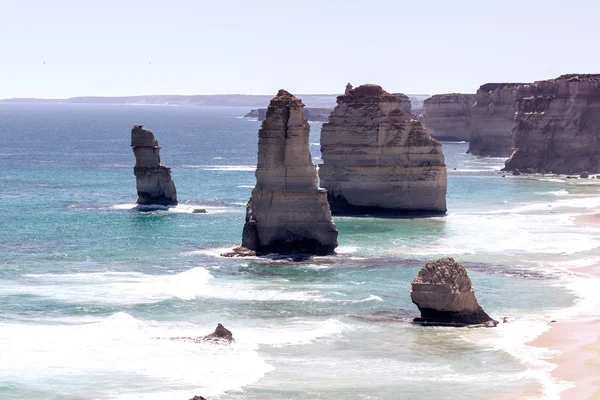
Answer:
(91, 289)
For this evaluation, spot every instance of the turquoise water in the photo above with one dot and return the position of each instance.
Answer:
(90, 288)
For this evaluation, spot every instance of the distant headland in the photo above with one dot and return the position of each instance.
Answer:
(223, 100)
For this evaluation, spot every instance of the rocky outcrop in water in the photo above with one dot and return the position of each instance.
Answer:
(153, 180)
(378, 160)
(287, 212)
(448, 116)
(221, 335)
(557, 126)
(492, 119)
(311, 114)
(444, 295)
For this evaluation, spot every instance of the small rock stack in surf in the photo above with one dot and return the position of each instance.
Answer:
(153, 180)
(444, 294)
(287, 212)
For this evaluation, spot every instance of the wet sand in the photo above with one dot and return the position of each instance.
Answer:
(578, 342)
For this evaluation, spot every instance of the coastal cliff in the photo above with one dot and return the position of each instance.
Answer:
(287, 211)
(448, 116)
(557, 126)
(378, 160)
(153, 180)
(492, 119)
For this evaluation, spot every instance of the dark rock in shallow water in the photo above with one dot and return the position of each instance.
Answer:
(199, 211)
(155, 186)
(584, 174)
(239, 252)
(220, 334)
(197, 398)
(444, 295)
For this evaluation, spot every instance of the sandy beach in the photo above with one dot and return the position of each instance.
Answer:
(578, 342)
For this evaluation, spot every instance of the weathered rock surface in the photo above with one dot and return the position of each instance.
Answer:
(492, 119)
(154, 183)
(557, 126)
(444, 295)
(378, 160)
(448, 116)
(287, 212)
(311, 114)
(406, 103)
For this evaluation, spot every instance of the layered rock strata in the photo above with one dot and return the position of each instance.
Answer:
(405, 100)
(154, 183)
(444, 294)
(557, 126)
(492, 119)
(287, 212)
(378, 160)
(448, 116)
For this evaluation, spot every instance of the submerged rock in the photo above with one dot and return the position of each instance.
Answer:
(492, 119)
(444, 295)
(448, 116)
(557, 125)
(154, 183)
(239, 252)
(378, 160)
(287, 212)
(197, 398)
(220, 333)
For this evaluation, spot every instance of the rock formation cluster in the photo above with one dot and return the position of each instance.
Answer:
(378, 160)
(557, 126)
(492, 119)
(444, 294)
(448, 116)
(154, 183)
(287, 212)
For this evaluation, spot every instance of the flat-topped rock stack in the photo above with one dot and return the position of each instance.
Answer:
(287, 212)
(378, 160)
(444, 294)
(154, 183)
(448, 116)
(557, 126)
(492, 119)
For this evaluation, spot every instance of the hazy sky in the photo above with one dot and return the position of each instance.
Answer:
(131, 47)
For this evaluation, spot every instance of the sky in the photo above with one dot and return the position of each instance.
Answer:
(66, 48)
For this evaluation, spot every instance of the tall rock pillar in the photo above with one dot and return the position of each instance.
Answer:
(153, 180)
(287, 211)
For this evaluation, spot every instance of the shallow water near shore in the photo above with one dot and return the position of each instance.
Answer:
(91, 288)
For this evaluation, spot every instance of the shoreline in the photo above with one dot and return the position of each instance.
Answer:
(576, 340)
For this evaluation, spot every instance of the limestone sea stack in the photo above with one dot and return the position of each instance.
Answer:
(287, 212)
(557, 126)
(378, 160)
(444, 294)
(448, 116)
(154, 183)
(492, 119)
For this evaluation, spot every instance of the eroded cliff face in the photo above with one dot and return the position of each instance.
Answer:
(154, 183)
(287, 211)
(448, 116)
(492, 119)
(378, 160)
(557, 125)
